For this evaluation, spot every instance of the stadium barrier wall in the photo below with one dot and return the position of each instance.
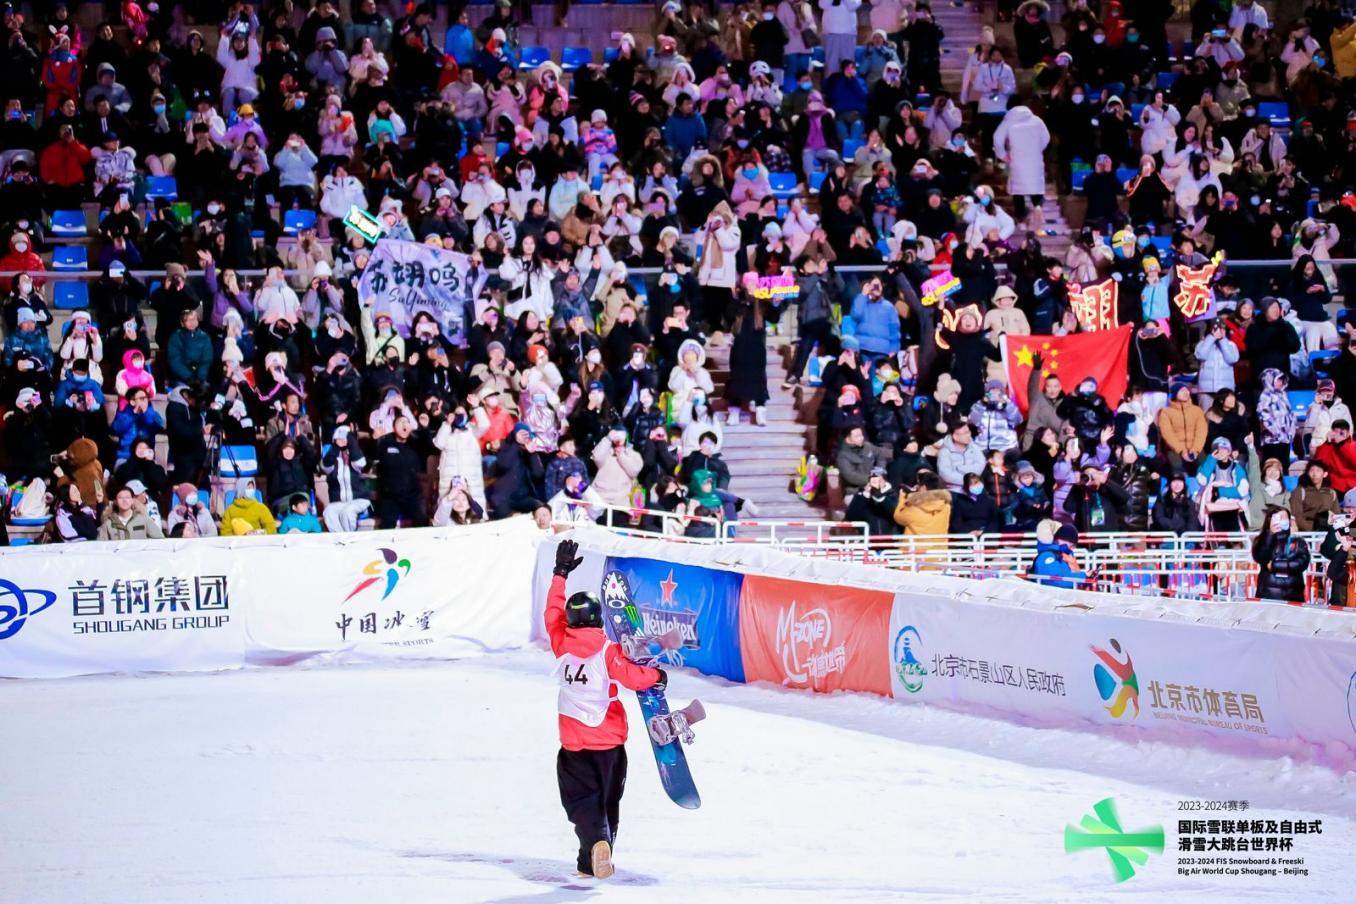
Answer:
(223, 603)
(1269, 677)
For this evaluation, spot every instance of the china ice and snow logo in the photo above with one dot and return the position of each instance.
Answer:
(390, 567)
(17, 605)
(1102, 829)
(908, 669)
(803, 642)
(1116, 680)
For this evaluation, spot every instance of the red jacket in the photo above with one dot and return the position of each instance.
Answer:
(575, 735)
(1340, 460)
(63, 163)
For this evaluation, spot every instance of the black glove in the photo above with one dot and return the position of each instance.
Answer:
(663, 681)
(566, 558)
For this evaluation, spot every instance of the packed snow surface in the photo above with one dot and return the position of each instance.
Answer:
(435, 781)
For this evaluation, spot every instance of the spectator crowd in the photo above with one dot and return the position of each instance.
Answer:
(765, 140)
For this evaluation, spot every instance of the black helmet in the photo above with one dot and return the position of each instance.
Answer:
(584, 610)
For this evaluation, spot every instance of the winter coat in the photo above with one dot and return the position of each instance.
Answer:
(890, 425)
(1310, 507)
(1051, 567)
(1274, 413)
(1283, 559)
(1178, 514)
(130, 426)
(1217, 358)
(1088, 415)
(875, 324)
(924, 513)
(1340, 460)
(616, 473)
(973, 513)
(718, 265)
(1031, 505)
(1021, 139)
(461, 458)
(995, 427)
(855, 464)
(137, 526)
(190, 355)
(344, 474)
(993, 85)
(1182, 427)
(747, 384)
(585, 643)
(1140, 488)
(1084, 503)
(1318, 420)
(954, 462)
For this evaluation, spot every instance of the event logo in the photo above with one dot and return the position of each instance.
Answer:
(16, 606)
(390, 566)
(803, 643)
(1116, 680)
(1103, 830)
(908, 669)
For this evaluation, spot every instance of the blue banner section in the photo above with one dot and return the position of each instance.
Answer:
(702, 603)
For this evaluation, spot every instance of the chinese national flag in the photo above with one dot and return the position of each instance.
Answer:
(1103, 355)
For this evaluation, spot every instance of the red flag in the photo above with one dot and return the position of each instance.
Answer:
(1103, 355)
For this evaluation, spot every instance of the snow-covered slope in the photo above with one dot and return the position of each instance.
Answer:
(435, 782)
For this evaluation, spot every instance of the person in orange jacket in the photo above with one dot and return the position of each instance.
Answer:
(591, 765)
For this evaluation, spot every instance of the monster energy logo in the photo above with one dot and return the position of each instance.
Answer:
(1104, 831)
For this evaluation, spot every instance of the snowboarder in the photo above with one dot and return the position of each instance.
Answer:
(591, 765)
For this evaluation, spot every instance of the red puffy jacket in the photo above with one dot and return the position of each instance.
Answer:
(1340, 460)
(584, 642)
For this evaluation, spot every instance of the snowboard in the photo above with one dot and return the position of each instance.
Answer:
(626, 627)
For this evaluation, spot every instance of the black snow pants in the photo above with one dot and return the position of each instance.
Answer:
(591, 785)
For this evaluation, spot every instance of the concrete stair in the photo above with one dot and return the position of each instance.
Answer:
(763, 460)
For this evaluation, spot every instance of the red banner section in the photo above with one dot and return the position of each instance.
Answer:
(813, 636)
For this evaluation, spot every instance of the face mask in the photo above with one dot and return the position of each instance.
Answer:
(986, 200)
(1133, 39)
(976, 490)
(1077, 98)
(299, 103)
(768, 17)
(16, 114)
(806, 85)
(214, 209)
(1280, 524)
(539, 398)
(891, 75)
(1098, 39)
(637, 360)
(1249, 111)
(595, 357)
(708, 448)
(158, 109)
(1142, 241)
(21, 247)
(750, 172)
(527, 146)
(952, 246)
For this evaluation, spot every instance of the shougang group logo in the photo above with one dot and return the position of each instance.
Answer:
(803, 642)
(1116, 680)
(390, 566)
(17, 605)
(908, 668)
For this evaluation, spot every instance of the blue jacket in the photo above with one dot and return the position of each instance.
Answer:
(190, 355)
(1051, 568)
(875, 324)
(460, 44)
(682, 132)
(306, 524)
(845, 95)
(69, 386)
(131, 427)
(35, 343)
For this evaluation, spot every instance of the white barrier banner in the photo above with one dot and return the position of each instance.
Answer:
(216, 604)
(1063, 668)
(1316, 678)
(120, 608)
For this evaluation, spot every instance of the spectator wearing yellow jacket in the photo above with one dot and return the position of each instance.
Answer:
(246, 515)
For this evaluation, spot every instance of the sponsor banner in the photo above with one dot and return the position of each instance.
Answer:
(1066, 668)
(702, 604)
(120, 608)
(403, 278)
(824, 638)
(215, 604)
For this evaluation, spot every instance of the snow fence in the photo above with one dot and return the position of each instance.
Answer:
(1248, 675)
(193, 605)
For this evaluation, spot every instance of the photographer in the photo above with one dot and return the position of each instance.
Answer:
(1336, 548)
(188, 429)
(1097, 503)
(1282, 559)
(343, 466)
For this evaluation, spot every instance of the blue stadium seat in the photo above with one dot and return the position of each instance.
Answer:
(68, 223)
(1322, 360)
(1163, 245)
(70, 295)
(850, 148)
(783, 184)
(532, 57)
(1276, 111)
(158, 187)
(572, 58)
(817, 180)
(596, 183)
(1136, 110)
(70, 258)
(1290, 481)
(239, 461)
(1125, 173)
(610, 54)
(1300, 400)
(294, 221)
(1165, 80)
(883, 246)
(1079, 177)
(501, 148)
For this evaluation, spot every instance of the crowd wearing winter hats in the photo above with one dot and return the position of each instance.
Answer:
(578, 384)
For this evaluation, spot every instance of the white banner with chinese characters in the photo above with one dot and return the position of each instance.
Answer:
(403, 278)
(199, 605)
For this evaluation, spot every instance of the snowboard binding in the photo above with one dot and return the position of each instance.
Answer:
(677, 725)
